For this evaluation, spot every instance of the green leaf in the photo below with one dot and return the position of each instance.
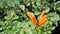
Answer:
(22, 7)
(21, 31)
(14, 31)
(58, 8)
(28, 31)
(50, 28)
(16, 24)
(44, 33)
(53, 16)
(2, 33)
(47, 9)
(15, 17)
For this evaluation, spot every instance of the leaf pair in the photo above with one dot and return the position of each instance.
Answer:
(42, 18)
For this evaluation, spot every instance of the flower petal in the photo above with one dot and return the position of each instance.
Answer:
(32, 17)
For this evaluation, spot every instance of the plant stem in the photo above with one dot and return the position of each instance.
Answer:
(37, 30)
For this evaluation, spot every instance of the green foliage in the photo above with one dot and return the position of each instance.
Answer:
(13, 18)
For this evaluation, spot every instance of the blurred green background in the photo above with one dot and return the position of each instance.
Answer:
(13, 18)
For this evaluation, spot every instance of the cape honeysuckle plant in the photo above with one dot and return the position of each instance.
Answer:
(13, 18)
(37, 23)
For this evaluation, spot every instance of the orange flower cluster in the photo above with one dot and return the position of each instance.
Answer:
(42, 18)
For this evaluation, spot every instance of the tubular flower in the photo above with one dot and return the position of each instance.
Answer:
(32, 17)
(42, 19)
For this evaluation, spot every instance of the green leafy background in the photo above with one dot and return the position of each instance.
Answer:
(13, 18)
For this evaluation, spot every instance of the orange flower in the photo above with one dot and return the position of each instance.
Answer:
(32, 17)
(42, 19)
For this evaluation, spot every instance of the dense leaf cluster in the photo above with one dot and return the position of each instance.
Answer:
(13, 18)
